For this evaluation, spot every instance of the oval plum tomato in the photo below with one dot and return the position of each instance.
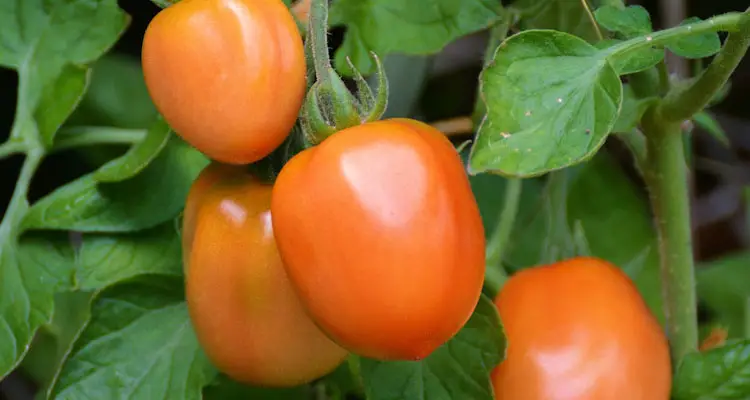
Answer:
(579, 330)
(227, 75)
(381, 237)
(246, 315)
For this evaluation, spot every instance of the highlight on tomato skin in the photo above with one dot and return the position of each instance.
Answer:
(381, 237)
(227, 75)
(247, 318)
(579, 330)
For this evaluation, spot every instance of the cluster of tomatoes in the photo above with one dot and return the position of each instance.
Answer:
(368, 243)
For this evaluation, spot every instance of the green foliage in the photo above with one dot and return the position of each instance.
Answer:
(719, 374)
(31, 272)
(698, 46)
(409, 27)
(458, 369)
(551, 98)
(629, 22)
(51, 80)
(139, 344)
(88, 205)
(706, 121)
(563, 15)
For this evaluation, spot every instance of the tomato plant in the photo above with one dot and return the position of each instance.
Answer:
(319, 199)
(566, 323)
(395, 190)
(228, 75)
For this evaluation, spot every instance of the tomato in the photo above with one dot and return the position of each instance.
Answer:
(382, 238)
(227, 75)
(245, 313)
(579, 330)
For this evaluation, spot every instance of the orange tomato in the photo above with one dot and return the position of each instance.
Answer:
(245, 313)
(579, 330)
(381, 237)
(228, 75)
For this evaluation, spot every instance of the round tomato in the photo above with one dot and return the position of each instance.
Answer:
(579, 330)
(245, 313)
(382, 238)
(228, 75)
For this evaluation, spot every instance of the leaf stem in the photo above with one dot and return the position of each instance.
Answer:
(495, 273)
(686, 101)
(728, 22)
(91, 136)
(590, 14)
(666, 177)
(10, 148)
(18, 201)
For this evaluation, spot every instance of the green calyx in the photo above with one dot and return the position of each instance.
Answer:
(329, 105)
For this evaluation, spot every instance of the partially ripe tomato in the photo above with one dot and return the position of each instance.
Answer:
(228, 75)
(579, 330)
(382, 238)
(245, 313)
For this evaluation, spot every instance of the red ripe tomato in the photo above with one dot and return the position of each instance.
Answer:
(228, 75)
(382, 238)
(245, 313)
(579, 330)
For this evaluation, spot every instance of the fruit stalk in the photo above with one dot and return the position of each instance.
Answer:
(666, 178)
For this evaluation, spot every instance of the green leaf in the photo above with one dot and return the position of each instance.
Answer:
(633, 61)
(58, 100)
(48, 42)
(706, 121)
(695, 46)
(630, 21)
(138, 157)
(410, 27)
(31, 272)
(551, 98)
(632, 110)
(107, 259)
(138, 345)
(54, 341)
(718, 374)
(562, 15)
(154, 196)
(723, 290)
(457, 370)
(225, 388)
(117, 96)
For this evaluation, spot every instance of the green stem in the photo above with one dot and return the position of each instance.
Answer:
(728, 22)
(686, 101)
(318, 36)
(664, 82)
(91, 136)
(666, 178)
(495, 273)
(18, 201)
(10, 148)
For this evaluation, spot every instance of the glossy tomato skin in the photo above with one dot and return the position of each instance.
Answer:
(245, 313)
(228, 75)
(382, 238)
(579, 330)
